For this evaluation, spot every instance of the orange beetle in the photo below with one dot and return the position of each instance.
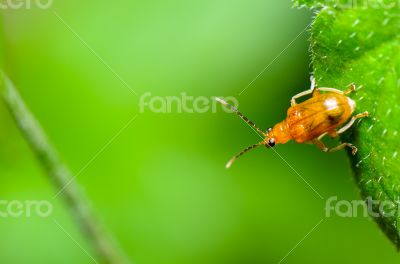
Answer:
(309, 121)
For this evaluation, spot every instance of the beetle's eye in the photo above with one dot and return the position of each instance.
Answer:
(269, 130)
(271, 142)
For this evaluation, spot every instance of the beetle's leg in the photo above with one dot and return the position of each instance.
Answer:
(332, 90)
(316, 92)
(313, 90)
(333, 134)
(324, 148)
(297, 96)
(354, 149)
(350, 89)
(313, 83)
(314, 86)
(351, 122)
(318, 142)
(323, 135)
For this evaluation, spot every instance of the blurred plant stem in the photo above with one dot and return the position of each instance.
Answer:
(104, 245)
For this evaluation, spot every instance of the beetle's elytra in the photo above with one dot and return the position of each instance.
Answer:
(308, 122)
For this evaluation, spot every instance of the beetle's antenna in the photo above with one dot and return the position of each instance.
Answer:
(244, 118)
(229, 164)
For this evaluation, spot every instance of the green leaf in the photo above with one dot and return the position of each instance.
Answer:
(360, 43)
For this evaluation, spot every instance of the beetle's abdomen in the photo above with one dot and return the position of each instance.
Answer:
(318, 115)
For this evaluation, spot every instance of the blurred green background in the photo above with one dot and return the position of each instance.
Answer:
(161, 186)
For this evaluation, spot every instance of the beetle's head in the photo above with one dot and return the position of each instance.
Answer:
(270, 141)
(279, 134)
